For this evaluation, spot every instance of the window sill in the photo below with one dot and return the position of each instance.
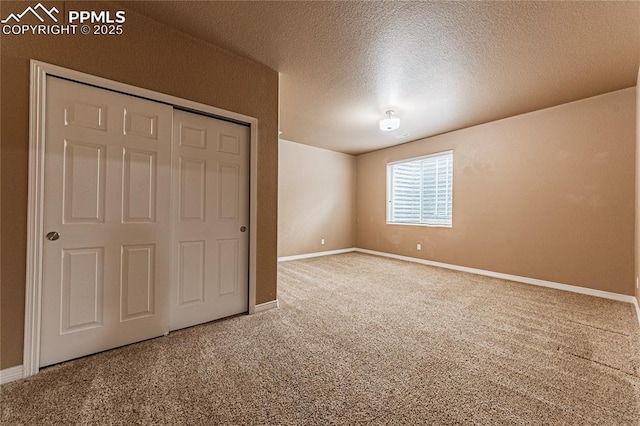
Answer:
(420, 224)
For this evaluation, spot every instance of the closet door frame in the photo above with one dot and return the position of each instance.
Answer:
(35, 233)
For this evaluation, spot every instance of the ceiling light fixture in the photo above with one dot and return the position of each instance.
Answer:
(388, 124)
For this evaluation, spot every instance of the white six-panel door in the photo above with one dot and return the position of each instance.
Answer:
(107, 180)
(147, 227)
(211, 217)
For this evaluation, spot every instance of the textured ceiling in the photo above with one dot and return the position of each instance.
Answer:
(441, 66)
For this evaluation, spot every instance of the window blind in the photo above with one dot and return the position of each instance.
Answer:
(422, 190)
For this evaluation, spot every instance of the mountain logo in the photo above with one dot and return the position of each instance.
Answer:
(34, 11)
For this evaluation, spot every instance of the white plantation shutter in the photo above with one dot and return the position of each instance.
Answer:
(406, 199)
(421, 190)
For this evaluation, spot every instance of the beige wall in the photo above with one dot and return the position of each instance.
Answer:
(147, 55)
(547, 195)
(316, 199)
(637, 253)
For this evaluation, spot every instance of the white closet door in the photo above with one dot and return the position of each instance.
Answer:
(211, 217)
(107, 180)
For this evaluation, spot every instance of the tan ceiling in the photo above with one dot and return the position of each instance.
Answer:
(440, 65)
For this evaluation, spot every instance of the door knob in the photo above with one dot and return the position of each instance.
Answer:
(52, 236)
(243, 228)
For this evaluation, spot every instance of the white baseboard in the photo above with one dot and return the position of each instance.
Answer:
(11, 374)
(635, 303)
(316, 254)
(267, 305)
(566, 287)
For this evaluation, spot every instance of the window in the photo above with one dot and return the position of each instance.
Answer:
(420, 190)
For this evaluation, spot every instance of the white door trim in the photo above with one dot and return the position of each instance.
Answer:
(35, 236)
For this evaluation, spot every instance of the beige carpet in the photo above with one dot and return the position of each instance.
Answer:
(364, 340)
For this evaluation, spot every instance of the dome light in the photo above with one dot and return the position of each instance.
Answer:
(389, 124)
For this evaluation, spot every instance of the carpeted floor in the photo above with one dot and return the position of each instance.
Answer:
(360, 339)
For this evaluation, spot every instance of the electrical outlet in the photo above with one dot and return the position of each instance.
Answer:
(419, 247)
(322, 241)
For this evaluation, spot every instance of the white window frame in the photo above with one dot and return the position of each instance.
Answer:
(390, 190)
